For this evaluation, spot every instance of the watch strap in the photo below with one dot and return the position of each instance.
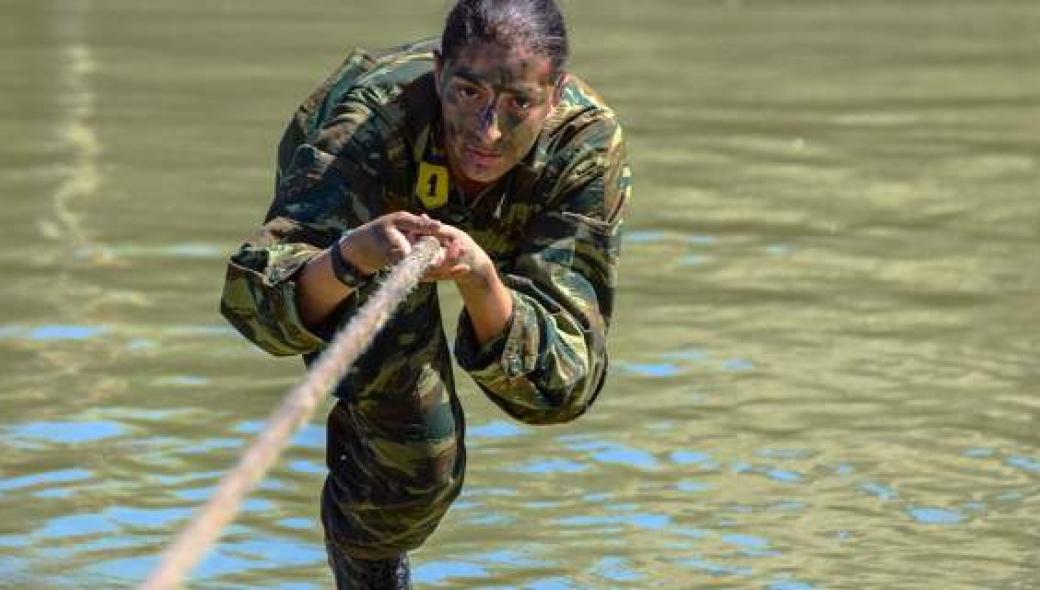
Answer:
(344, 270)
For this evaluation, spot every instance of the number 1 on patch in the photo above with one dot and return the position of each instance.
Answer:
(432, 186)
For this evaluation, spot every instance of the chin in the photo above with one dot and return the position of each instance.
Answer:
(484, 175)
(480, 172)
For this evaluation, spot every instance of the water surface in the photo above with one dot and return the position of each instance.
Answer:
(824, 355)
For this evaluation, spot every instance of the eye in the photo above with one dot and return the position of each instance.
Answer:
(521, 103)
(467, 92)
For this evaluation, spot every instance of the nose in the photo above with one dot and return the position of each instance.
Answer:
(490, 132)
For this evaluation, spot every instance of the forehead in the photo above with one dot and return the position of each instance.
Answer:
(501, 67)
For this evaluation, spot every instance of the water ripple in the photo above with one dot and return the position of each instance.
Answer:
(550, 466)
(67, 432)
(650, 521)
(438, 572)
(496, 429)
(616, 569)
(53, 332)
(50, 477)
(612, 452)
(936, 516)
(1030, 464)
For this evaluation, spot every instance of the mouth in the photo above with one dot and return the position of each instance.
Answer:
(480, 156)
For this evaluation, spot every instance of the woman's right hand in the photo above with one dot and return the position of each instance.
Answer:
(385, 240)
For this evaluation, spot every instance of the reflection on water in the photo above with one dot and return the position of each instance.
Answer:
(823, 360)
(52, 332)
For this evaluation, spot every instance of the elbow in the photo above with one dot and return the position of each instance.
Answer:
(546, 414)
(246, 325)
(259, 299)
(545, 417)
(557, 403)
(258, 323)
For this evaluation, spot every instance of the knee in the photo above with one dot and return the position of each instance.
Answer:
(378, 524)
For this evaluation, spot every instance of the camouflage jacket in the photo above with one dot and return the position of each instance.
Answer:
(365, 143)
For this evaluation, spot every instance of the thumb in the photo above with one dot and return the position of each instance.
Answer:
(399, 246)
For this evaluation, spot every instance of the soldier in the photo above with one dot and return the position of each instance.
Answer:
(518, 168)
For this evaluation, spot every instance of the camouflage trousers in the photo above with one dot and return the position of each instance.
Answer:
(369, 574)
(394, 446)
(366, 536)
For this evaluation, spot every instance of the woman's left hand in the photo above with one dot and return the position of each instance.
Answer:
(486, 298)
(464, 261)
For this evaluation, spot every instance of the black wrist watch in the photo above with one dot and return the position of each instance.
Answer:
(344, 270)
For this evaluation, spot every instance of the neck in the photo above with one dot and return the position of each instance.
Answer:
(470, 189)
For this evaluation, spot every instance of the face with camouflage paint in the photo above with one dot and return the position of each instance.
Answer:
(494, 102)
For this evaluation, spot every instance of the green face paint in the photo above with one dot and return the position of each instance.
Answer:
(494, 102)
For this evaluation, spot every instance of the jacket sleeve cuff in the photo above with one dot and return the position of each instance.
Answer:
(508, 359)
(474, 357)
(260, 298)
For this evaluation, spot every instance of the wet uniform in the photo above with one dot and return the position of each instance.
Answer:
(364, 144)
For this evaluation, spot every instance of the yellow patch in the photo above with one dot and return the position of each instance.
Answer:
(432, 186)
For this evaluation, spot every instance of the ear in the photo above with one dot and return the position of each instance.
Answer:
(438, 69)
(561, 81)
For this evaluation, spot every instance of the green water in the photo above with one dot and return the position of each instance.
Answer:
(824, 361)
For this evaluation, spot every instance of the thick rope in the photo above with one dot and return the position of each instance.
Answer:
(297, 409)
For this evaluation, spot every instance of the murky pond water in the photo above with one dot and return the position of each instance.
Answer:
(825, 353)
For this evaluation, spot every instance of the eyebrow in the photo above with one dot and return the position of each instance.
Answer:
(472, 78)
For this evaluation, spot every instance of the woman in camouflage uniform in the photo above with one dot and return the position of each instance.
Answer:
(518, 168)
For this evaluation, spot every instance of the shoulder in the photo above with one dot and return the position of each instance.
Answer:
(371, 108)
(398, 66)
(394, 83)
(583, 153)
(582, 117)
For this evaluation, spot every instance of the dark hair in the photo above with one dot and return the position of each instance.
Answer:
(537, 24)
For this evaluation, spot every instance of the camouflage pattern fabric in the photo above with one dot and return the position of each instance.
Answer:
(363, 574)
(364, 144)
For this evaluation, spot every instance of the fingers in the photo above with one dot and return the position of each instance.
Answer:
(445, 232)
(453, 239)
(459, 251)
(446, 274)
(411, 224)
(455, 251)
(458, 270)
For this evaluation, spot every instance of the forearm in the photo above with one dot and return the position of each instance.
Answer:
(318, 292)
(546, 368)
(487, 302)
